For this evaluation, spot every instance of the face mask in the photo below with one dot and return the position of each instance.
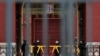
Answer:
(37, 41)
(57, 41)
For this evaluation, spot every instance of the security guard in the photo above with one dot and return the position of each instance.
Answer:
(82, 48)
(23, 47)
(35, 49)
(56, 53)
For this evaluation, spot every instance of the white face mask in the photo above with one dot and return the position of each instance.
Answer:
(37, 41)
(81, 42)
(57, 41)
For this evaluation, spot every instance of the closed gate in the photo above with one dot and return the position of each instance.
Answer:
(51, 22)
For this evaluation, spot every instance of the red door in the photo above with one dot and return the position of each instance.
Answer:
(53, 29)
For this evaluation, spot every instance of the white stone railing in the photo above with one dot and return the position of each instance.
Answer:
(93, 49)
(3, 49)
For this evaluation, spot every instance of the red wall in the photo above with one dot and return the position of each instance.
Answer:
(75, 27)
(3, 22)
(95, 17)
(96, 21)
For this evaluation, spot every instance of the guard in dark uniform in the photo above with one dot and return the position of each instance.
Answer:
(82, 48)
(23, 47)
(56, 53)
(36, 48)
